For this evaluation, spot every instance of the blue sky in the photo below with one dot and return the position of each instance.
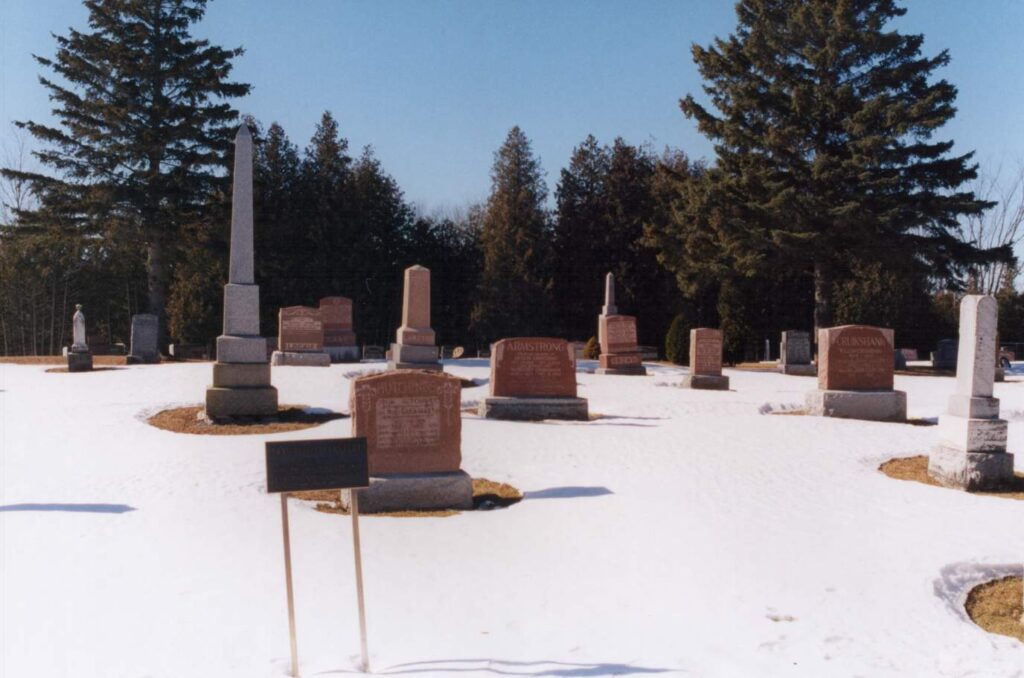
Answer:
(435, 85)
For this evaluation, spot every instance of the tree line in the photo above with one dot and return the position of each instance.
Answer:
(829, 200)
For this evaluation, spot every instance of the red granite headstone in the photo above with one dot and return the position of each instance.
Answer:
(411, 419)
(533, 367)
(336, 315)
(855, 357)
(617, 333)
(706, 351)
(300, 329)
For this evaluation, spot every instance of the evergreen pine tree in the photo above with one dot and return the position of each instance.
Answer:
(143, 125)
(515, 290)
(824, 135)
(579, 239)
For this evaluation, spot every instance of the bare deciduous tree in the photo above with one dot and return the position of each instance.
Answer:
(15, 194)
(1001, 225)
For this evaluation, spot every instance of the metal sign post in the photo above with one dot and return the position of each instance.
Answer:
(330, 464)
(354, 508)
(288, 584)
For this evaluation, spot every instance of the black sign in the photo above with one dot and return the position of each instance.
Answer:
(329, 464)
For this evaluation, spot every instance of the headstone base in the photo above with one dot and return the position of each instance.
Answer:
(224, 403)
(799, 370)
(414, 492)
(866, 405)
(300, 359)
(706, 382)
(972, 435)
(145, 359)
(241, 349)
(79, 361)
(973, 407)
(412, 353)
(621, 363)
(343, 354)
(433, 367)
(970, 471)
(534, 409)
(245, 375)
(629, 370)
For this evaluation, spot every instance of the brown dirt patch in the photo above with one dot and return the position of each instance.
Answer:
(61, 360)
(487, 495)
(925, 371)
(916, 469)
(996, 606)
(288, 418)
(757, 367)
(64, 370)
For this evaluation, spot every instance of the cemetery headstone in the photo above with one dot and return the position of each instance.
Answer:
(144, 340)
(533, 378)
(795, 354)
(971, 452)
(412, 422)
(909, 354)
(79, 357)
(414, 346)
(855, 375)
(300, 338)
(189, 351)
(339, 339)
(617, 336)
(899, 360)
(944, 357)
(706, 361)
(241, 376)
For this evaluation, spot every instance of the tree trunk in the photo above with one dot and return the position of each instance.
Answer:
(822, 297)
(156, 275)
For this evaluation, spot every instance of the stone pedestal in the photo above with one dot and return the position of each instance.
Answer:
(79, 361)
(300, 358)
(707, 382)
(621, 363)
(869, 405)
(970, 471)
(414, 492)
(534, 408)
(798, 370)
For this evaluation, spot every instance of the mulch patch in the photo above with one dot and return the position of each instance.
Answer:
(924, 371)
(996, 606)
(288, 418)
(64, 370)
(487, 495)
(913, 421)
(916, 469)
(61, 360)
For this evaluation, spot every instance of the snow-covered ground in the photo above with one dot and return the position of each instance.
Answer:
(684, 532)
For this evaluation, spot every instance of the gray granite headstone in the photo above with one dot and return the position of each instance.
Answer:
(144, 339)
(795, 348)
(944, 357)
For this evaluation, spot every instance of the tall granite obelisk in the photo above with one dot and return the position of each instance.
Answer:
(241, 375)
